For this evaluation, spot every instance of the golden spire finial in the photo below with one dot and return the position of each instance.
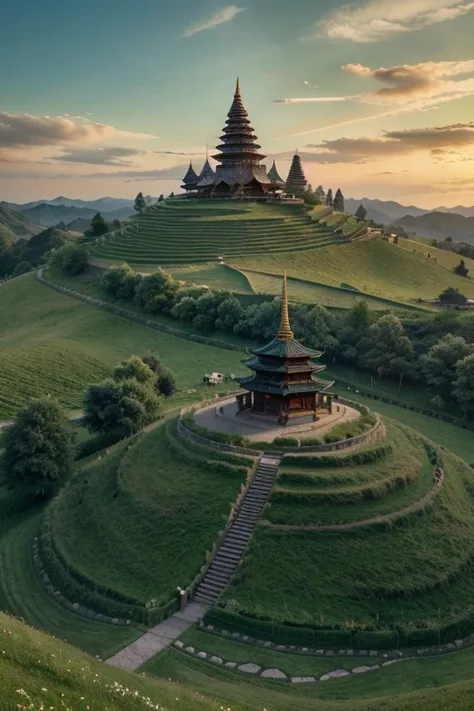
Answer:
(237, 87)
(284, 332)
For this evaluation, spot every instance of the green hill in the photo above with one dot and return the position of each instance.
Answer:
(183, 232)
(14, 225)
(53, 344)
(439, 225)
(372, 266)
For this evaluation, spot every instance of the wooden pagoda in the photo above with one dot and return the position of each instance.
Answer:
(283, 384)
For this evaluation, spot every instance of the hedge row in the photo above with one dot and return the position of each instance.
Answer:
(314, 637)
(367, 456)
(346, 497)
(204, 451)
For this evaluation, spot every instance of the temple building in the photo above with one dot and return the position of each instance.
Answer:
(296, 181)
(282, 384)
(239, 170)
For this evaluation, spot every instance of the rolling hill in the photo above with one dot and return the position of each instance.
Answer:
(48, 215)
(439, 225)
(14, 225)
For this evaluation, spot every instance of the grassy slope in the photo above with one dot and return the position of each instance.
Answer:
(288, 576)
(310, 293)
(63, 329)
(15, 225)
(372, 266)
(443, 257)
(160, 518)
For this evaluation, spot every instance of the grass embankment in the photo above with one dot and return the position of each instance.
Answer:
(54, 674)
(76, 344)
(193, 232)
(140, 523)
(308, 495)
(446, 259)
(415, 573)
(372, 266)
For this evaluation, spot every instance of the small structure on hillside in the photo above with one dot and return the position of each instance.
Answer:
(282, 384)
(296, 181)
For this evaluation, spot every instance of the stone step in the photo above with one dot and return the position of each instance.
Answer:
(219, 574)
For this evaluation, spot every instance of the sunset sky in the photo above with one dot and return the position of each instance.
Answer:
(100, 98)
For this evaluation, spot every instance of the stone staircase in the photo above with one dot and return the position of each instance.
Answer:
(225, 562)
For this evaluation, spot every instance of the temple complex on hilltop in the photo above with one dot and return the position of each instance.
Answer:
(283, 384)
(239, 170)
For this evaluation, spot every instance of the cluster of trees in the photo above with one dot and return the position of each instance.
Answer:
(132, 398)
(320, 197)
(383, 344)
(142, 202)
(40, 446)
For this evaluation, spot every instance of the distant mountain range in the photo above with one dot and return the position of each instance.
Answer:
(48, 213)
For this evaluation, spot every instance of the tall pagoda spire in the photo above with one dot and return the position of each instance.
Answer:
(296, 181)
(284, 332)
(238, 145)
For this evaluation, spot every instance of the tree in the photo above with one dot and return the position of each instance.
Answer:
(452, 296)
(139, 204)
(161, 198)
(165, 381)
(329, 198)
(438, 366)
(39, 448)
(134, 367)
(338, 202)
(21, 268)
(386, 349)
(98, 226)
(121, 406)
(155, 292)
(361, 213)
(171, 195)
(229, 312)
(71, 259)
(353, 328)
(120, 282)
(461, 269)
(320, 195)
(116, 224)
(463, 389)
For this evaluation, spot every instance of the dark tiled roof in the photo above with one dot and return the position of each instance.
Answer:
(282, 367)
(290, 348)
(254, 384)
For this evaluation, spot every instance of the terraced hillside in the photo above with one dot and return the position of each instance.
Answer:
(183, 232)
(355, 545)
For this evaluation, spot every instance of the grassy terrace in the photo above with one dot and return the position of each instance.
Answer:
(372, 266)
(54, 344)
(410, 573)
(160, 518)
(306, 495)
(184, 232)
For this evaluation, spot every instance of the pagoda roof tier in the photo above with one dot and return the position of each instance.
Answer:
(191, 176)
(241, 175)
(296, 181)
(274, 175)
(206, 176)
(282, 367)
(254, 383)
(286, 348)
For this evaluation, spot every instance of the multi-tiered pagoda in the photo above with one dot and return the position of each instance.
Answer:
(283, 384)
(239, 170)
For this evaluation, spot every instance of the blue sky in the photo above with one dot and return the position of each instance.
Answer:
(111, 98)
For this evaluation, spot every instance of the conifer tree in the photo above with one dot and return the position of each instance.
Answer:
(139, 204)
(361, 213)
(338, 202)
(329, 198)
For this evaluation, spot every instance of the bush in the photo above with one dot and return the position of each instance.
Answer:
(128, 405)
(286, 442)
(350, 429)
(71, 259)
(120, 282)
(39, 448)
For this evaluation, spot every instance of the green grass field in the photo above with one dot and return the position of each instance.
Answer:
(74, 344)
(446, 259)
(372, 266)
(410, 573)
(160, 522)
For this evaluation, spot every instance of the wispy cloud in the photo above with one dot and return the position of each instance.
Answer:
(97, 156)
(376, 20)
(226, 14)
(407, 88)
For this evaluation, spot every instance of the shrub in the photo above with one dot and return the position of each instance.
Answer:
(120, 282)
(286, 442)
(39, 448)
(127, 405)
(72, 259)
